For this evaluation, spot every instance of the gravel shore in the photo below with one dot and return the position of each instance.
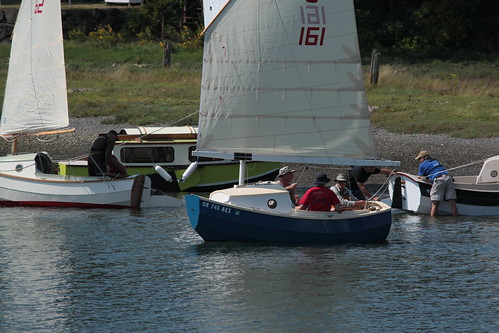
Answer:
(451, 152)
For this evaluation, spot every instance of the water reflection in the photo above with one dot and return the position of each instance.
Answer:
(33, 270)
(147, 271)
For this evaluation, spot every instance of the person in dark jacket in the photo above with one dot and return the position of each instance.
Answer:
(99, 158)
(358, 175)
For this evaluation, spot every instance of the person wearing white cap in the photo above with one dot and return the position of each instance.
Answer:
(344, 194)
(442, 187)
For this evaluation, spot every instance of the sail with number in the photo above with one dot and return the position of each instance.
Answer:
(35, 94)
(282, 81)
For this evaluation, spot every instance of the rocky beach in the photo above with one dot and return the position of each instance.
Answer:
(451, 152)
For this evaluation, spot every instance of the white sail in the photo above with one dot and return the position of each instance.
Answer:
(282, 80)
(35, 94)
(211, 8)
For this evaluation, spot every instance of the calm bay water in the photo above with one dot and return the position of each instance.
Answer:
(147, 271)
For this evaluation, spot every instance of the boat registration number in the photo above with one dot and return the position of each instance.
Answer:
(216, 207)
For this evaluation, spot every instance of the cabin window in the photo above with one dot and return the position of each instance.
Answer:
(200, 158)
(147, 154)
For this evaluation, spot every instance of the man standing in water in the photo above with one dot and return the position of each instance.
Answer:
(442, 187)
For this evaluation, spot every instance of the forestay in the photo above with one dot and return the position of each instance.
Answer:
(282, 81)
(35, 94)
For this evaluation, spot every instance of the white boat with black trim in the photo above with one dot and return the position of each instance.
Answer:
(477, 195)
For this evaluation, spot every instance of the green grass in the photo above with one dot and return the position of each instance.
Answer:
(128, 83)
(461, 100)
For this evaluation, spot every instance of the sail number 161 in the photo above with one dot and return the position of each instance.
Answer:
(313, 19)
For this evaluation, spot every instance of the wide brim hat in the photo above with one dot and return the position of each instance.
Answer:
(284, 170)
(422, 153)
(341, 178)
(322, 179)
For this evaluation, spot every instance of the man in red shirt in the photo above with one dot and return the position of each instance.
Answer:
(320, 198)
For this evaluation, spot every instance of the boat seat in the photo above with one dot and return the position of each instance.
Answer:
(44, 163)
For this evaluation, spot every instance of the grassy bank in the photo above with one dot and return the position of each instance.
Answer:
(129, 83)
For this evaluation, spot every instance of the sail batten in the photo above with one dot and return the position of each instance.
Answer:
(35, 93)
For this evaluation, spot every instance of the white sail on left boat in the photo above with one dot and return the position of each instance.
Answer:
(36, 101)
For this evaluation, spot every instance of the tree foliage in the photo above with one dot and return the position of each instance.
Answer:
(429, 28)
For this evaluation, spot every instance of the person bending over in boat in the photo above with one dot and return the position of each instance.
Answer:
(358, 175)
(285, 179)
(320, 198)
(346, 197)
(100, 159)
(442, 187)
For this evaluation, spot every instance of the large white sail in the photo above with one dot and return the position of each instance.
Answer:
(282, 80)
(35, 94)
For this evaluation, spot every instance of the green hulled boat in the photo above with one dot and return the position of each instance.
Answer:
(142, 149)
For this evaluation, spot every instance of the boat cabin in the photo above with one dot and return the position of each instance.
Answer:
(147, 146)
(490, 171)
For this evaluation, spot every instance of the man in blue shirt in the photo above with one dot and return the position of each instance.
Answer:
(442, 184)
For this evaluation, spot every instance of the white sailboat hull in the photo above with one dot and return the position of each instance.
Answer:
(22, 184)
(35, 101)
(409, 193)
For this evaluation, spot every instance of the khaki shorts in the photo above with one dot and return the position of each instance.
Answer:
(443, 189)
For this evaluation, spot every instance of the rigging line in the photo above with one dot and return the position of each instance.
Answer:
(468, 164)
(24, 167)
(459, 167)
(383, 186)
(304, 168)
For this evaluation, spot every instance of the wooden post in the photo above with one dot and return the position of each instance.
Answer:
(13, 147)
(166, 55)
(374, 71)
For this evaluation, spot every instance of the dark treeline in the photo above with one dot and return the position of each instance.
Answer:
(414, 28)
(429, 28)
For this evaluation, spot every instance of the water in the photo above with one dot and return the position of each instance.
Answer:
(64, 270)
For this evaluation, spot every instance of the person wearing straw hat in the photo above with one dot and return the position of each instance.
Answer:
(344, 194)
(320, 197)
(442, 187)
(285, 178)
